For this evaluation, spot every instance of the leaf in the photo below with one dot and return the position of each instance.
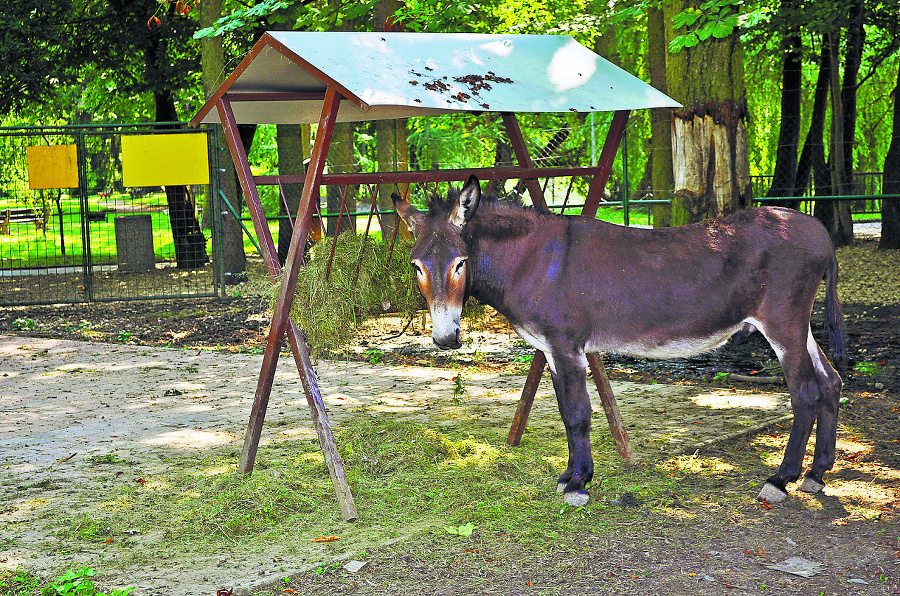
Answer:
(722, 30)
(677, 44)
(685, 19)
(326, 538)
(463, 530)
(704, 33)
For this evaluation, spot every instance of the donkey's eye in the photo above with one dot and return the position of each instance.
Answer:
(416, 268)
(459, 266)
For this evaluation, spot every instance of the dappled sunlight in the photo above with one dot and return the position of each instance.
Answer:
(555, 462)
(190, 438)
(696, 464)
(297, 433)
(469, 453)
(216, 470)
(725, 399)
(862, 494)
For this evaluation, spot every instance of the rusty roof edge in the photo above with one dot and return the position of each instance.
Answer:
(308, 67)
(223, 88)
(268, 41)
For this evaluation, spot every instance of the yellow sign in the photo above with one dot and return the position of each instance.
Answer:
(52, 166)
(164, 160)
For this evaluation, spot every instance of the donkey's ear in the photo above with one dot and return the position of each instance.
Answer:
(409, 214)
(467, 203)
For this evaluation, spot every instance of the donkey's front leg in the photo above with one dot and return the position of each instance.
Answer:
(569, 375)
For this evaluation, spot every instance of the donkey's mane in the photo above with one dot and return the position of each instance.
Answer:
(439, 205)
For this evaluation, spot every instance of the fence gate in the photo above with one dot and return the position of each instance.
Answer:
(100, 213)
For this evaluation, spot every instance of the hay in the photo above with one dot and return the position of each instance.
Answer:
(330, 311)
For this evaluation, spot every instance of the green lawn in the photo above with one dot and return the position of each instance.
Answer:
(28, 246)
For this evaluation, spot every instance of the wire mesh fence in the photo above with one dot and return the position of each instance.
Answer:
(70, 231)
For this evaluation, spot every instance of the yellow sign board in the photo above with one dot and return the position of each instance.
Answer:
(52, 166)
(164, 160)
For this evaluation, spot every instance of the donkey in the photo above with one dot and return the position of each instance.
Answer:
(573, 285)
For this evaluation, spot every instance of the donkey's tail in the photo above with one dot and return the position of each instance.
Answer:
(834, 317)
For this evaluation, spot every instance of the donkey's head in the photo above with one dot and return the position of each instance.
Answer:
(439, 256)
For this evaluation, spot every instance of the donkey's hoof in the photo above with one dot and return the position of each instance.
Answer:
(771, 494)
(576, 499)
(561, 487)
(811, 486)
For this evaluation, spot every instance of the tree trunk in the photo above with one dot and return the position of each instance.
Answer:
(189, 241)
(709, 141)
(890, 208)
(291, 152)
(390, 135)
(503, 157)
(835, 215)
(662, 179)
(341, 158)
(785, 173)
(393, 156)
(812, 157)
(233, 261)
(852, 62)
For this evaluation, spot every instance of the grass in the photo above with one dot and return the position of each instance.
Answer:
(405, 477)
(18, 582)
(441, 481)
(75, 582)
(26, 246)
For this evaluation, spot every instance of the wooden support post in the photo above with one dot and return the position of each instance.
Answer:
(520, 149)
(333, 460)
(592, 202)
(610, 407)
(527, 400)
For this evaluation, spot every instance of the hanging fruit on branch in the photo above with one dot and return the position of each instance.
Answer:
(164, 7)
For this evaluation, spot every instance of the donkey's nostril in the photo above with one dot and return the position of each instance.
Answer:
(450, 342)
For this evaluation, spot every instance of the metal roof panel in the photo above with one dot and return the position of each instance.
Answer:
(396, 75)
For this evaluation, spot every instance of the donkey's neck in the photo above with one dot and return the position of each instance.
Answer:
(499, 243)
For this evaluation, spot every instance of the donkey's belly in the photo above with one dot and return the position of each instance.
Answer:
(660, 345)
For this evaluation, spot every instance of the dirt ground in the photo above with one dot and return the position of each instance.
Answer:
(709, 545)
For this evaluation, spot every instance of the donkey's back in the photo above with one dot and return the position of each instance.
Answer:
(680, 291)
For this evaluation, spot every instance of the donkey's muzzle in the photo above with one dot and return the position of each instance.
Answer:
(448, 343)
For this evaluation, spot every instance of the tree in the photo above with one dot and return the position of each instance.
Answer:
(711, 168)
(662, 176)
(890, 208)
(233, 261)
(39, 56)
(785, 175)
(162, 61)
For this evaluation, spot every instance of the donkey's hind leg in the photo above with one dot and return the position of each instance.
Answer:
(826, 418)
(803, 384)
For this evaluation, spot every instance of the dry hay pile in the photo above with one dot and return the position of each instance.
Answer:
(365, 279)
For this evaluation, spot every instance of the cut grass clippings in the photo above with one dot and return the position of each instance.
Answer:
(406, 479)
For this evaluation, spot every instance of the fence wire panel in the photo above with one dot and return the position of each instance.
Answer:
(96, 240)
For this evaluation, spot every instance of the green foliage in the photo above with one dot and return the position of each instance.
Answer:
(18, 582)
(78, 583)
(713, 18)
(242, 17)
(24, 324)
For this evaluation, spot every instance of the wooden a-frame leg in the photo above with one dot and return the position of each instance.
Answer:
(527, 399)
(295, 337)
(610, 407)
